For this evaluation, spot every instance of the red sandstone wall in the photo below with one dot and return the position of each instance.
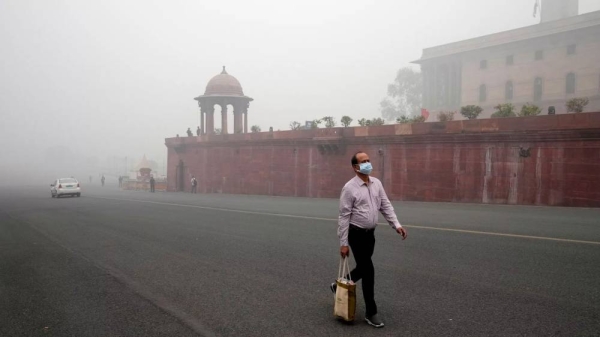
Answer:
(463, 161)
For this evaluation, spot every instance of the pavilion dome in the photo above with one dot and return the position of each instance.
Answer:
(144, 164)
(224, 85)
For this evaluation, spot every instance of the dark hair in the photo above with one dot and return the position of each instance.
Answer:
(354, 160)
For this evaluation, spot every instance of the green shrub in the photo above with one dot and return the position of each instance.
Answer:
(418, 119)
(445, 116)
(409, 120)
(471, 111)
(530, 110)
(504, 110)
(376, 122)
(577, 104)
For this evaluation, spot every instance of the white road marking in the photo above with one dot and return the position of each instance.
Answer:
(329, 219)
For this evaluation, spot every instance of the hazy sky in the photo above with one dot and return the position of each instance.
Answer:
(117, 77)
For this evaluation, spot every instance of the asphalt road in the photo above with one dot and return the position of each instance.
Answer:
(119, 263)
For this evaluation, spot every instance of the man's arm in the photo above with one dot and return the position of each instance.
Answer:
(387, 210)
(346, 203)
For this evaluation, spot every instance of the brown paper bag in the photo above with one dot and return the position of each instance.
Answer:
(345, 295)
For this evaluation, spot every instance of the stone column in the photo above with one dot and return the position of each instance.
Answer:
(457, 75)
(210, 120)
(202, 131)
(434, 83)
(224, 119)
(425, 79)
(452, 85)
(246, 121)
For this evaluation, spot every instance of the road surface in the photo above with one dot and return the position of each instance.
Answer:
(124, 263)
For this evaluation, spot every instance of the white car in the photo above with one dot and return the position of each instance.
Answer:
(65, 186)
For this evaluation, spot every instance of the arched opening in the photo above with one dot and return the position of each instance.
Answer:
(482, 93)
(538, 89)
(230, 118)
(443, 86)
(508, 90)
(218, 119)
(570, 83)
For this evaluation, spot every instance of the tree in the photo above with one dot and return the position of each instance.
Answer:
(418, 119)
(404, 95)
(530, 110)
(376, 121)
(295, 125)
(404, 119)
(577, 104)
(363, 122)
(445, 116)
(255, 128)
(471, 111)
(315, 123)
(504, 110)
(329, 121)
(346, 121)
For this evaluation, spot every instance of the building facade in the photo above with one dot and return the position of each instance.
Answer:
(545, 64)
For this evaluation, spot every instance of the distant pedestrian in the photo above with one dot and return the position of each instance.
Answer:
(120, 181)
(152, 184)
(198, 131)
(90, 179)
(189, 132)
(194, 184)
(102, 180)
(362, 198)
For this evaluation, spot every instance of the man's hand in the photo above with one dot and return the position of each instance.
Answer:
(402, 232)
(344, 251)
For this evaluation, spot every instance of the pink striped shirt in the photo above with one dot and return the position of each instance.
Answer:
(360, 204)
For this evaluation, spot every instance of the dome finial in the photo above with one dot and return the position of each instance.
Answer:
(224, 71)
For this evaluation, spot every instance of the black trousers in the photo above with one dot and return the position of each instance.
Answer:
(193, 188)
(151, 187)
(362, 243)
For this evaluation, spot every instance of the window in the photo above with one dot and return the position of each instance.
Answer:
(508, 90)
(539, 55)
(570, 85)
(537, 89)
(571, 49)
(482, 93)
(483, 64)
(510, 60)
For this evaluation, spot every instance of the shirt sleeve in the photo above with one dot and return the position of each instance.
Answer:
(346, 203)
(387, 210)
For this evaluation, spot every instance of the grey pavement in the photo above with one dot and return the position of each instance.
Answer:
(125, 263)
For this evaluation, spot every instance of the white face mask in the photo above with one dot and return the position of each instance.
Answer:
(365, 168)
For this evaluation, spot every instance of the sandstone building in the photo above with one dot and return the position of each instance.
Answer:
(545, 64)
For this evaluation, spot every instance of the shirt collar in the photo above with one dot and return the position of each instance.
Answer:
(360, 182)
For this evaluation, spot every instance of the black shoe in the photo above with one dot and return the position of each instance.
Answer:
(374, 321)
(333, 287)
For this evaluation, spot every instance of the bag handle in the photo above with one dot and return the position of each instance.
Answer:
(344, 268)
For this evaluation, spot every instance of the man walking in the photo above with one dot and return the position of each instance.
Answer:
(361, 199)
(194, 184)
